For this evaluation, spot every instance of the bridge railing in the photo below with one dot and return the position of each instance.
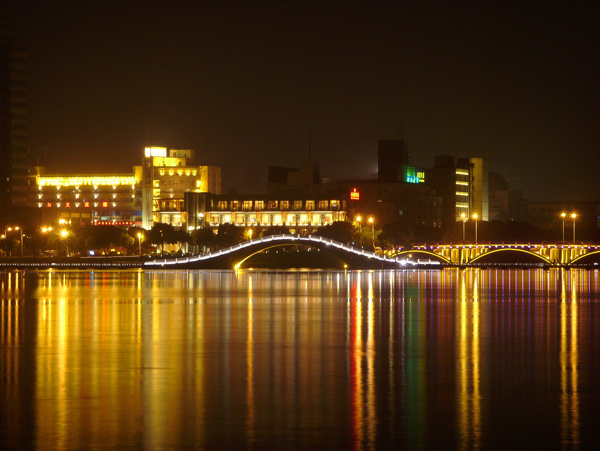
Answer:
(272, 238)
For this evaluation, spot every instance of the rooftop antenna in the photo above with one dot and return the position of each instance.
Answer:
(399, 130)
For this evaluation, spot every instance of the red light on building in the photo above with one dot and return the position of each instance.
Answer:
(354, 195)
(86, 205)
(105, 204)
(49, 205)
(67, 204)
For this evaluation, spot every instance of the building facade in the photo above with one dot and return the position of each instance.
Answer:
(166, 176)
(14, 146)
(303, 214)
(152, 192)
(462, 184)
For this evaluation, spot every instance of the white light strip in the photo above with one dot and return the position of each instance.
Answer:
(284, 237)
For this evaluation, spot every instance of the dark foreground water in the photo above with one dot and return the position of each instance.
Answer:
(454, 359)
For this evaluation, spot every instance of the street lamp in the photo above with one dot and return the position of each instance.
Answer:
(372, 231)
(9, 229)
(139, 235)
(563, 215)
(64, 234)
(574, 216)
(359, 219)
(475, 216)
(19, 228)
(463, 216)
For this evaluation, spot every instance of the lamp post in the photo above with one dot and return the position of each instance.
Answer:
(359, 219)
(45, 229)
(574, 216)
(21, 230)
(372, 222)
(65, 234)
(563, 215)
(139, 235)
(9, 229)
(463, 216)
(475, 216)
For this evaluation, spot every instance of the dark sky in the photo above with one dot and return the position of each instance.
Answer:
(245, 83)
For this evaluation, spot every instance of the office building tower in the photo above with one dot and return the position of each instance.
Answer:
(392, 154)
(14, 147)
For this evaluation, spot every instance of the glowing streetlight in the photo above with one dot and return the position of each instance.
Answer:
(463, 216)
(21, 242)
(10, 229)
(359, 219)
(64, 234)
(574, 216)
(372, 222)
(563, 215)
(475, 217)
(139, 235)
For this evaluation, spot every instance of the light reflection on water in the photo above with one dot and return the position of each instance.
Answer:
(465, 359)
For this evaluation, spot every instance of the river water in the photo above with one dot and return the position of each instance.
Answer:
(449, 359)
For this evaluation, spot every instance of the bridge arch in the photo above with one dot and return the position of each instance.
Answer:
(532, 257)
(437, 257)
(252, 253)
(594, 256)
(229, 257)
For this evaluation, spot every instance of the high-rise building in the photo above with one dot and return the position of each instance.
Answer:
(463, 185)
(480, 203)
(392, 154)
(14, 147)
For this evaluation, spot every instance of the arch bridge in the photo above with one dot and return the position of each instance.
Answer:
(541, 254)
(421, 256)
(234, 256)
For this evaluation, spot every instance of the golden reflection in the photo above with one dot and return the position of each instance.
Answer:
(371, 420)
(569, 364)
(469, 396)
(356, 374)
(250, 404)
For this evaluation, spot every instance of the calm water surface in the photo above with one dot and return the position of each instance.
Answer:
(453, 359)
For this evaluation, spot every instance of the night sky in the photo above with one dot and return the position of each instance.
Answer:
(244, 84)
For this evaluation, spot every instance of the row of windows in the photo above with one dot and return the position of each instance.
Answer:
(258, 205)
(272, 219)
(59, 196)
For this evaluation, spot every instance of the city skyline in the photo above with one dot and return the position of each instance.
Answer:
(245, 84)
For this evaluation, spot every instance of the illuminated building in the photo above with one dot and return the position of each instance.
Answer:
(302, 214)
(14, 148)
(96, 199)
(153, 192)
(166, 176)
(463, 185)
